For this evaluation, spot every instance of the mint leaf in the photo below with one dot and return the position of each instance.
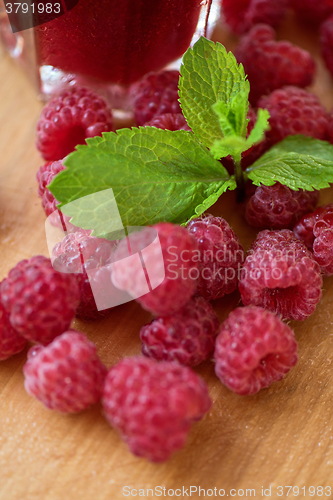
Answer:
(261, 126)
(210, 74)
(298, 161)
(233, 146)
(154, 174)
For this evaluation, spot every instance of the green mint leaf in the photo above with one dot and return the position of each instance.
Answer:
(298, 161)
(210, 74)
(233, 146)
(257, 134)
(154, 174)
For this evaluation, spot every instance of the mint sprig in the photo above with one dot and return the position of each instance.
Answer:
(160, 175)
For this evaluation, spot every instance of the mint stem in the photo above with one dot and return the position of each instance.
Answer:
(240, 181)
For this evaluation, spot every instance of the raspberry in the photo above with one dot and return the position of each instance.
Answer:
(77, 253)
(169, 121)
(294, 111)
(252, 154)
(316, 231)
(312, 10)
(11, 341)
(45, 176)
(253, 349)
(67, 375)
(68, 119)
(270, 64)
(326, 42)
(330, 129)
(281, 275)
(187, 336)
(156, 94)
(221, 255)
(40, 301)
(175, 270)
(278, 206)
(242, 15)
(152, 405)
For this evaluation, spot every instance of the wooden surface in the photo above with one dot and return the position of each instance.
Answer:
(281, 436)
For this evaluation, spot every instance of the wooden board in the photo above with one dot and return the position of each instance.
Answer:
(281, 436)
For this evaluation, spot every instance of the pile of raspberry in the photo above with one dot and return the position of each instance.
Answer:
(178, 274)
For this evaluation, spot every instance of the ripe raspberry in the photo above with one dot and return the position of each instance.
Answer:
(156, 94)
(45, 176)
(252, 154)
(242, 15)
(326, 42)
(221, 256)
(67, 375)
(294, 111)
(270, 64)
(11, 341)
(68, 119)
(170, 266)
(281, 275)
(278, 206)
(187, 336)
(78, 253)
(253, 349)
(40, 301)
(312, 10)
(152, 405)
(316, 231)
(169, 121)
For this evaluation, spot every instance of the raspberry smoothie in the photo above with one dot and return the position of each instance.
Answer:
(118, 41)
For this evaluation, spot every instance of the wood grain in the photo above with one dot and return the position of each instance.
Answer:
(281, 436)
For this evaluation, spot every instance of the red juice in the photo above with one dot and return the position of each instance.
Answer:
(118, 41)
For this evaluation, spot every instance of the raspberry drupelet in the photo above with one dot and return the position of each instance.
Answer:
(316, 231)
(221, 256)
(68, 119)
(45, 176)
(78, 253)
(169, 121)
(253, 349)
(294, 111)
(40, 301)
(281, 275)
(270, 64)
(170, 264)
(278, 206)
(242, 15)
(67, 375)
(152, 405)
(11, 342)
(188, 336)
(156, 94)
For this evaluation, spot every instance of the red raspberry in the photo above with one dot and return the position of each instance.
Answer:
(11, 342)
(253, 349)
(252, 154)
(281, 275)
(175, 270)
(278, 206)
(187, 336)
(40, 301)
(169, 121)
(270, 64)
(67, 375)
(78, 253)
(152, 405)
(313, 10)
(45, 176)
(316, 231)
(330, 129)
(294, 111)
(326, 42)
(156, 94)
(68, 119)
(242, 15)
(221, 256)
